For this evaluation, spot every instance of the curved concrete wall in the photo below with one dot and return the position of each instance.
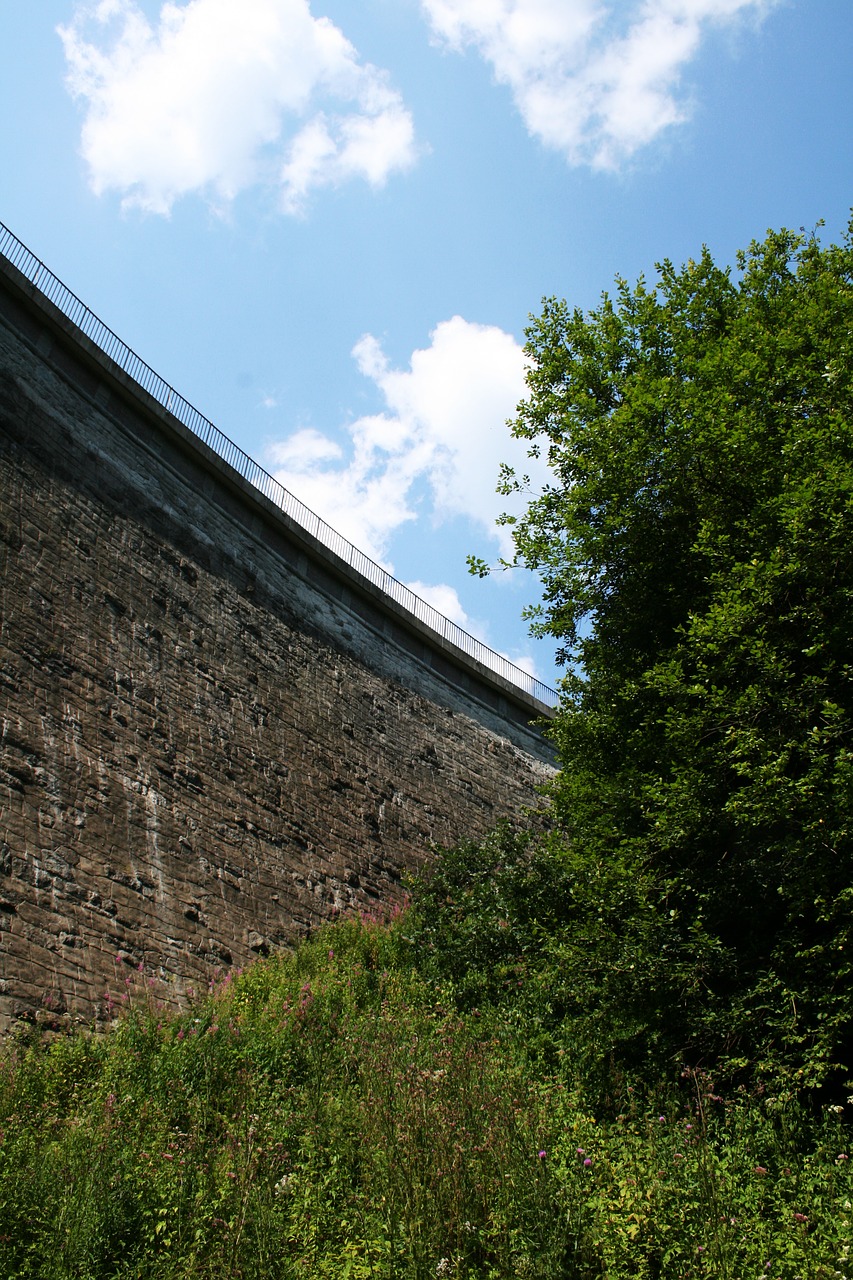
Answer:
(215, 734)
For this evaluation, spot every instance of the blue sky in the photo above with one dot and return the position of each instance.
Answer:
(326, 223)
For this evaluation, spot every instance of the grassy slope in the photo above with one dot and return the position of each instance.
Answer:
(337, 1113)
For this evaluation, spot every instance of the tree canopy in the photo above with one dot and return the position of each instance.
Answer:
(695, 546)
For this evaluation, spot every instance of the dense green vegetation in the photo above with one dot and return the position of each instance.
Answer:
(340, 1113)
(696, 550)
(621, 1047)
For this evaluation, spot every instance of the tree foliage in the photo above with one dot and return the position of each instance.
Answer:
(695, 547)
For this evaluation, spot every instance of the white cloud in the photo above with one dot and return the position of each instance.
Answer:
(590, 79)
(222, 95)
(364, 499)
(443, 430)
(446, 600)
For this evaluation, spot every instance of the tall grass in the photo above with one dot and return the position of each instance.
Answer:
(333, 1114)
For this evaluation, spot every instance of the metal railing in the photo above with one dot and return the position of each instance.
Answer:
(103, 337)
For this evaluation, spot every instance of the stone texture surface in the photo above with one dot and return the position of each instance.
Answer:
(204, 752)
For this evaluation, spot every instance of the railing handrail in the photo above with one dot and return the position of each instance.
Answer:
(43, 279)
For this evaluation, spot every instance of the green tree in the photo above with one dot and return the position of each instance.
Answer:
(695, 547)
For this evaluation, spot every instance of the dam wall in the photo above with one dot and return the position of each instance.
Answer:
(215, 733)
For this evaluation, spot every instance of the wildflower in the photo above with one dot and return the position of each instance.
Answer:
(587, 1163)
(800, 1217)
(662, 1119)
(581, 1151)
(760, 1169)
(541, 1155)
(442, 1267)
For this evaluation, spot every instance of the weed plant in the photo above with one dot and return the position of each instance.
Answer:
(335, 1114)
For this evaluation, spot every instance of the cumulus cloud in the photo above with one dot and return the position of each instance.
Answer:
(432, 455)
(220, 95)
(446, 600)
(434, 452)
(590, 79)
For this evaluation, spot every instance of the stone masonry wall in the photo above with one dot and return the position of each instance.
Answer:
(204, 752)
